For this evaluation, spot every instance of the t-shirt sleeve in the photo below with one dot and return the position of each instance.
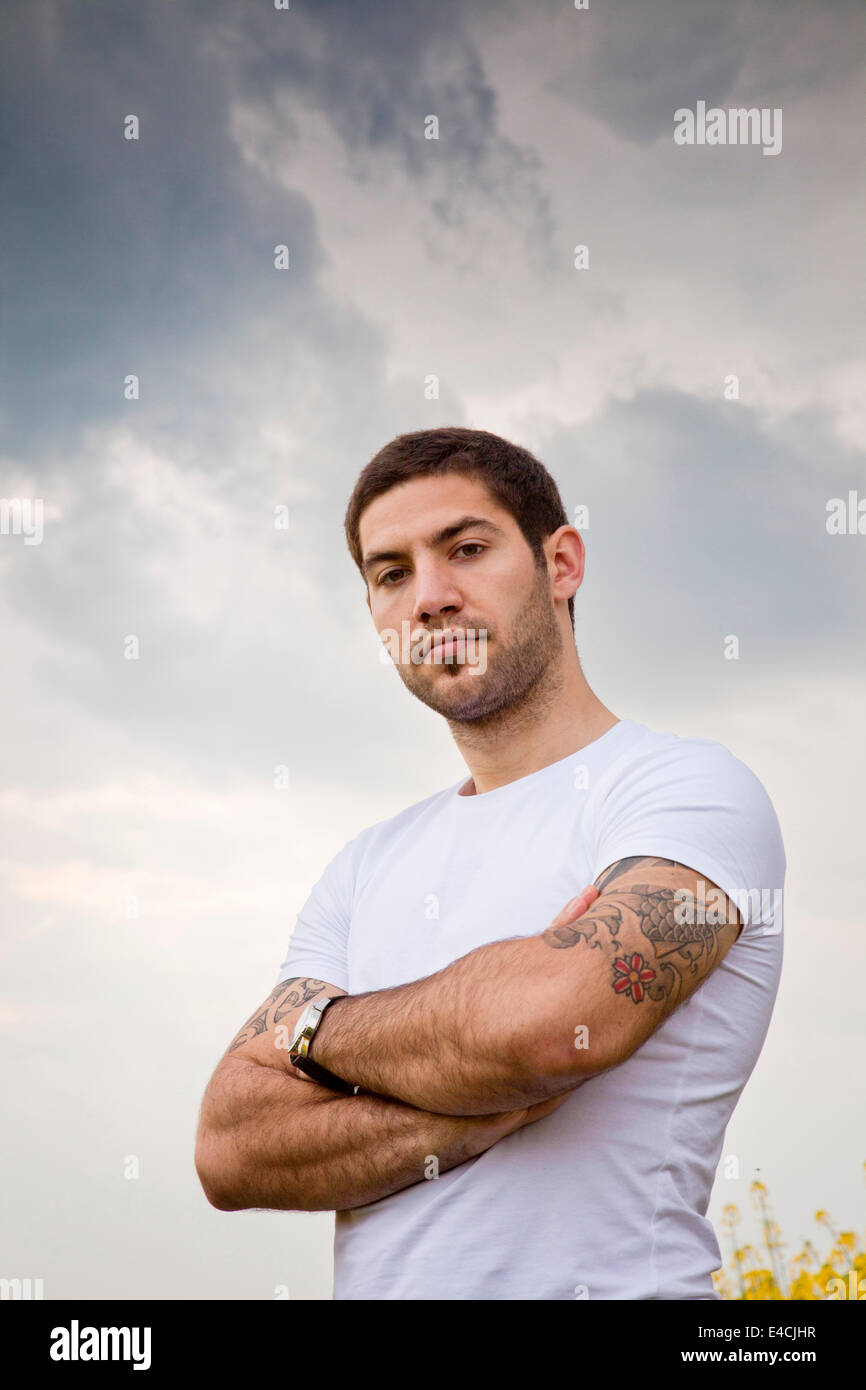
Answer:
(319, 943)
(693, 801)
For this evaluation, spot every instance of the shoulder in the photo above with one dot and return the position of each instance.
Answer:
(665, 765)
(693, 801)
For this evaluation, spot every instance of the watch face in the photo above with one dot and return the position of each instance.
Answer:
(295, 1044)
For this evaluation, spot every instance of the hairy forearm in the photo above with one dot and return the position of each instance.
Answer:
(269, 1141)
(499, 1027)
(460, 1042)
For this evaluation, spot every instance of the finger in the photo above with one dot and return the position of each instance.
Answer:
(579, 904)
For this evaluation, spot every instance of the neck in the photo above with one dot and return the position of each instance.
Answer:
(560, 716)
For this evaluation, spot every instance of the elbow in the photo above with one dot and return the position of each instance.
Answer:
(221, 1203)
(573, 1049)
(211, 1169)
(229, 1187)
(221, 1200)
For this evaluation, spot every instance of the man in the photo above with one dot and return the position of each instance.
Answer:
(508, 1099)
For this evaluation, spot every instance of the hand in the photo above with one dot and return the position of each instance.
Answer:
(576, 907)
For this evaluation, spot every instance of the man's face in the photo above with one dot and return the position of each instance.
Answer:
(441, 554)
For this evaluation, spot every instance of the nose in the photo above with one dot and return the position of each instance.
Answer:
(435, 593)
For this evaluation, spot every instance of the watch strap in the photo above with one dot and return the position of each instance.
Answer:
(299, 1052)
(325, 1077)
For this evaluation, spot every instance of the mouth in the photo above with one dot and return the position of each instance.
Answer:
(442, 641)
(447, 645)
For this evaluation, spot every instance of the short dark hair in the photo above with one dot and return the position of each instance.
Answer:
(515, 478)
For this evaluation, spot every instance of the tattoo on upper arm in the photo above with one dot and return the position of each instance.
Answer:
(624, 866)
(287, 995)
(676, 949)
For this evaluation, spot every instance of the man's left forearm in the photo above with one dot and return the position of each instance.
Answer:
(464, 1041)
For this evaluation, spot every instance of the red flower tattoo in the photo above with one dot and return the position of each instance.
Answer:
(634, 973)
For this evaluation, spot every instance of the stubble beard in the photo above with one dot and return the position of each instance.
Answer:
(519, 679)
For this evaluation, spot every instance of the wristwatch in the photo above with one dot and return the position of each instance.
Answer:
(299, 1049)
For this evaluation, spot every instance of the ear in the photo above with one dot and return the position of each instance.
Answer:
(367, 597)
(567, 554)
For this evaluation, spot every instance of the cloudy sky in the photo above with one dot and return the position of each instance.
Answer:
(150, 871)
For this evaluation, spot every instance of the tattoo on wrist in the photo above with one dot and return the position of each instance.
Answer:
(285, 997)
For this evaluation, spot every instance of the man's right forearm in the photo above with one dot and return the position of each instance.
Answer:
(267, 1140)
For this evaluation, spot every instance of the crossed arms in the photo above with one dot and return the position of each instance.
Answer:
(518, 1021)
(451, 1064)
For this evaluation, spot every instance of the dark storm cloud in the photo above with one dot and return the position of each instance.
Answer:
(130, 256)
(155, 256)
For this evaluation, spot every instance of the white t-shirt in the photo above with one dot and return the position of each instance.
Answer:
(606, 1197)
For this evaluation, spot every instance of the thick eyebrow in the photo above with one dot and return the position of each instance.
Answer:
(447, 533)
